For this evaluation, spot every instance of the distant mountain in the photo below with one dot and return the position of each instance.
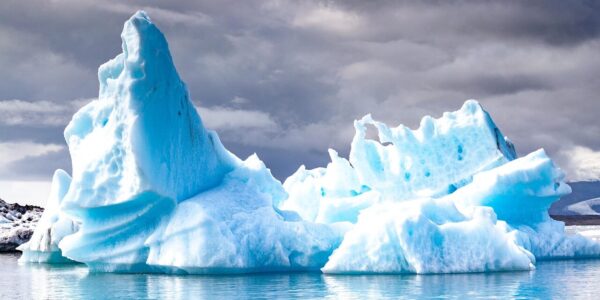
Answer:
(17, 223)
(573, 205)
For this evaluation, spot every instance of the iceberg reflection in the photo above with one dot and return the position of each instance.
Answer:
(39, 281)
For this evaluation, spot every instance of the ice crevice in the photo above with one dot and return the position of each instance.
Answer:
(153, 190)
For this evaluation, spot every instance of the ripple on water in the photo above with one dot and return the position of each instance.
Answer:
(552, 279)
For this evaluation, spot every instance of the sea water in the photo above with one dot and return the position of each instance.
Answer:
(568, 279)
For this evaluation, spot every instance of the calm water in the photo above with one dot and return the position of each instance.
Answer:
(551, 280)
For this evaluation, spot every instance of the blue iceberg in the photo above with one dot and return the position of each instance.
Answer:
(153, 190)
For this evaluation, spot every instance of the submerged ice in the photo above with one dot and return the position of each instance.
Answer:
(153, 190)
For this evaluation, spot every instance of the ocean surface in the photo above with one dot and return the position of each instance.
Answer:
(566, 279)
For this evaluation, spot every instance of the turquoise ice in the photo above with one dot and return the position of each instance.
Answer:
(153, 190)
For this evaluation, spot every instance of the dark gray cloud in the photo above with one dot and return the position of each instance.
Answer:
(308, 69)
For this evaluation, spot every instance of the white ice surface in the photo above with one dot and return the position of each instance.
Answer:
(52, 227)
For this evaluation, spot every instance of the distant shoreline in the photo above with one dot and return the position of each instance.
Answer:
(578, 220)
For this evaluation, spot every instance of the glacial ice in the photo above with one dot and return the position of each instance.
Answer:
(52, 227)
(142, 133)
(152, 190)
(438, 158)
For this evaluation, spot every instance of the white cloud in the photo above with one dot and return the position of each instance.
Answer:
(328, 18)
(257, 128)
(239, 100)
(25, 192)
(15, 151)
(315, 137)
(22, 191)
(223, 118)
(38, 113)
(582, 163)
(166, 15)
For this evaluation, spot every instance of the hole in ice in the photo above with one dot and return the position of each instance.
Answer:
(427, 173)
(371, 133)
(407, 176)
(451, 188)
(363, 189)
(113, 168)
(460, 151)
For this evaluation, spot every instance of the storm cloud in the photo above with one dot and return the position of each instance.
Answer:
(285, 79)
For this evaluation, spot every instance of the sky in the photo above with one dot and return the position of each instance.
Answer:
(286, 79)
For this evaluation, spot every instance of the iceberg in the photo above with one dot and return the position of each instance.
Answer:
(477, 228)
(153, 190)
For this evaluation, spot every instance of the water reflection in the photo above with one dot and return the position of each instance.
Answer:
(556, 279)
(417, 286)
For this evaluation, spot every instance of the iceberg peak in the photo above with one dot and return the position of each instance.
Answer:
(138, 32)
(140, 14)
(143, 133)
